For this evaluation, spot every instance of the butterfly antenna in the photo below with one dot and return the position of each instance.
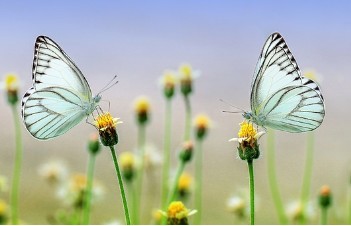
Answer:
(241, 110)
(111, 83)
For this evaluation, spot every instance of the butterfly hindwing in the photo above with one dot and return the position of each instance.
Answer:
(280, 97)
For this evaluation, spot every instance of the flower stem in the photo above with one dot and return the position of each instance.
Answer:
(173, 194)
(306, 184)
(187, 118)
(140, 174)
(324, 215)
(273, 184)
(120, 182)
(17, 166)
(166, 153)
(198, 184)
(252, 192)
(90, 178)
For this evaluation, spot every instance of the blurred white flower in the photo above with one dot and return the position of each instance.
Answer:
(294, 212)
(152, 157)
(54, 171)
(113, 222)
(73, 191)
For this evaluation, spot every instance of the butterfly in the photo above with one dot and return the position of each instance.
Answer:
(60, 96)
(281, 98)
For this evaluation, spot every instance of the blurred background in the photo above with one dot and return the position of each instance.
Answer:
(138, 41)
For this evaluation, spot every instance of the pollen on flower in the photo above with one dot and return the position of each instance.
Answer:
(247, 130)
(177, 210)
(105, 120)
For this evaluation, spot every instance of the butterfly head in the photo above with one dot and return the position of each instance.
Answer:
(247, 115)
(97, 98)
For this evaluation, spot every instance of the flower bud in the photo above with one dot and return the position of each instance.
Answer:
(94, 144)
(142, 109)
(106, 126)
(187, 151)
(325, 197)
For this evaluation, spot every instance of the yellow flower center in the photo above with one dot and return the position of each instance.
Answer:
(186, 72)
(169, 79)
(142, 105)
(325, 191)
(202, 121)
(247, 131)
(105, 120)
(127, 160)
(78, 182)
(184, 181)
(11, 82)
(177, 210)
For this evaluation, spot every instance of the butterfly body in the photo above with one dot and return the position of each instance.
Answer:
(60, 96)
(281, 98)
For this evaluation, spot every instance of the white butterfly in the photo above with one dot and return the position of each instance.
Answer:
(60, 97)
(281, 98)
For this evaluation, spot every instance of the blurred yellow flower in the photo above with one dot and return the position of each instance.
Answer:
(3, 212)
(142, 105)
(313, 75)
(168, 82)
(157, 216)
(11, 83)
(201, 123)
(127, 160)
(184, 183)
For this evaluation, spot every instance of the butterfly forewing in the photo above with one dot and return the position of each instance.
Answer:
(60, 96)
(280, 97)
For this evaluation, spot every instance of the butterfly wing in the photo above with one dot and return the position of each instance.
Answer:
(280, 97)
(60, 94)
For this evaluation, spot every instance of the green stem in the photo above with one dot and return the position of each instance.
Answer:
(324, 215)
(140, 174)
(90, 179)
(273, 184)
(166, 153)
(120, 182)
(252, 192)
(17, 166)
(132, 197)
(349, 204)
(306, 184)
(173, 194)
(198, 183)
(187, 131)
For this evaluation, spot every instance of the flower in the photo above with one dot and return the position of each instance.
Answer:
(94, 144)
(73, 192)
(142, 109)
(127, 161)
(187, 151)
(238, 206)
(184, 184)
(11, 86)
(157, 216)
(295, 212)
(106, 125)
(325, 197)
(201, 123)
(248, 146)
(168, 82)
(186, 76)
(177, 213)
(3, 212)
(152, 157)
(54, 171)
